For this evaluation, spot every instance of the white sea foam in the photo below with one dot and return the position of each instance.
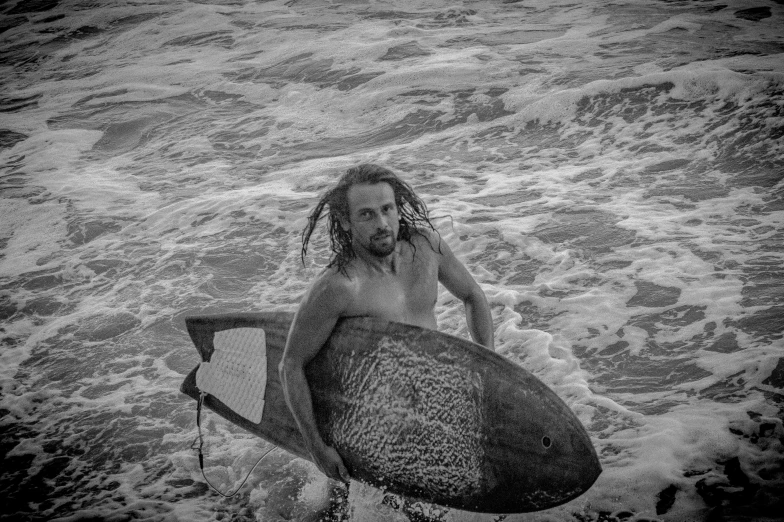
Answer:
(610, 172)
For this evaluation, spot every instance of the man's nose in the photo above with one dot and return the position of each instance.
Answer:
(382, 222)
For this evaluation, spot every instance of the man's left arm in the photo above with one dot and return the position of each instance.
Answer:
(458, 280)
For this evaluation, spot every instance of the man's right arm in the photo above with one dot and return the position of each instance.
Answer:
(313, 323)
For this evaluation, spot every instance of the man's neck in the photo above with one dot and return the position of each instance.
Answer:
(386, 264)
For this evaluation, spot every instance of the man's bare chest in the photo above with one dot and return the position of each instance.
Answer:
(406, 296)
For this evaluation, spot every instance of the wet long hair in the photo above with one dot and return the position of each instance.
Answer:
(411, 209)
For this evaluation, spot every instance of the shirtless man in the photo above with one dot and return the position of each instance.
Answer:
(387, 263)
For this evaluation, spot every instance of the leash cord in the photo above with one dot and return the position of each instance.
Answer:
(201, 454)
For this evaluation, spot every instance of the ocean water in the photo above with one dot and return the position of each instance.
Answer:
(610, 171)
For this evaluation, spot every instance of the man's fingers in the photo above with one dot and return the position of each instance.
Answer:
(339, 472)
(332, 465)
(344, 476)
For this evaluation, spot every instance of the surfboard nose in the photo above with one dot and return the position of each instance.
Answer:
(574, 453)
(538, 472)
(539, 453)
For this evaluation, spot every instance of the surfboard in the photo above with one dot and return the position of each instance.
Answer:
(419, 413)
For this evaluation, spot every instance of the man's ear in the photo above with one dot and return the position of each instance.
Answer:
(345, 224)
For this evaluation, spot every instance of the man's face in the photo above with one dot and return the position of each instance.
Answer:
(373, 218)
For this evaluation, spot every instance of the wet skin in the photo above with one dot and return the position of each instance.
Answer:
(388, 279)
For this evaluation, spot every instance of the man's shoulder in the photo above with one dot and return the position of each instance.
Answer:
(426, 237)
(334, 276)
(330, 291)
(334, 281)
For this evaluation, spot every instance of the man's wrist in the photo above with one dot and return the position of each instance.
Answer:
(315, 446)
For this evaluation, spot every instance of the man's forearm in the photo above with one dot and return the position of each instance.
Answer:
(480, 321)
(300, 403)
(297, 394)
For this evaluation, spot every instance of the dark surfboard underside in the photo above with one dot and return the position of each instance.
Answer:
(422, 414)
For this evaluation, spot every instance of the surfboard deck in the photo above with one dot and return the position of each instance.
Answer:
(419, 413)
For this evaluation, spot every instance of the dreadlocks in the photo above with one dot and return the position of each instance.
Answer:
(412, 210)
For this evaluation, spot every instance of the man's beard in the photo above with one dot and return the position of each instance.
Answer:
(380, 249)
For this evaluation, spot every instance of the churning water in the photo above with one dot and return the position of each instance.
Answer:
(610, 171)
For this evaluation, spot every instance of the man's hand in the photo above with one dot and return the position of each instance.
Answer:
(330, 463)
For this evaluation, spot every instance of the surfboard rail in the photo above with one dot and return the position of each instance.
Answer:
(420, 413)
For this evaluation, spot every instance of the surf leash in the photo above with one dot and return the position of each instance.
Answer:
(200, 438)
